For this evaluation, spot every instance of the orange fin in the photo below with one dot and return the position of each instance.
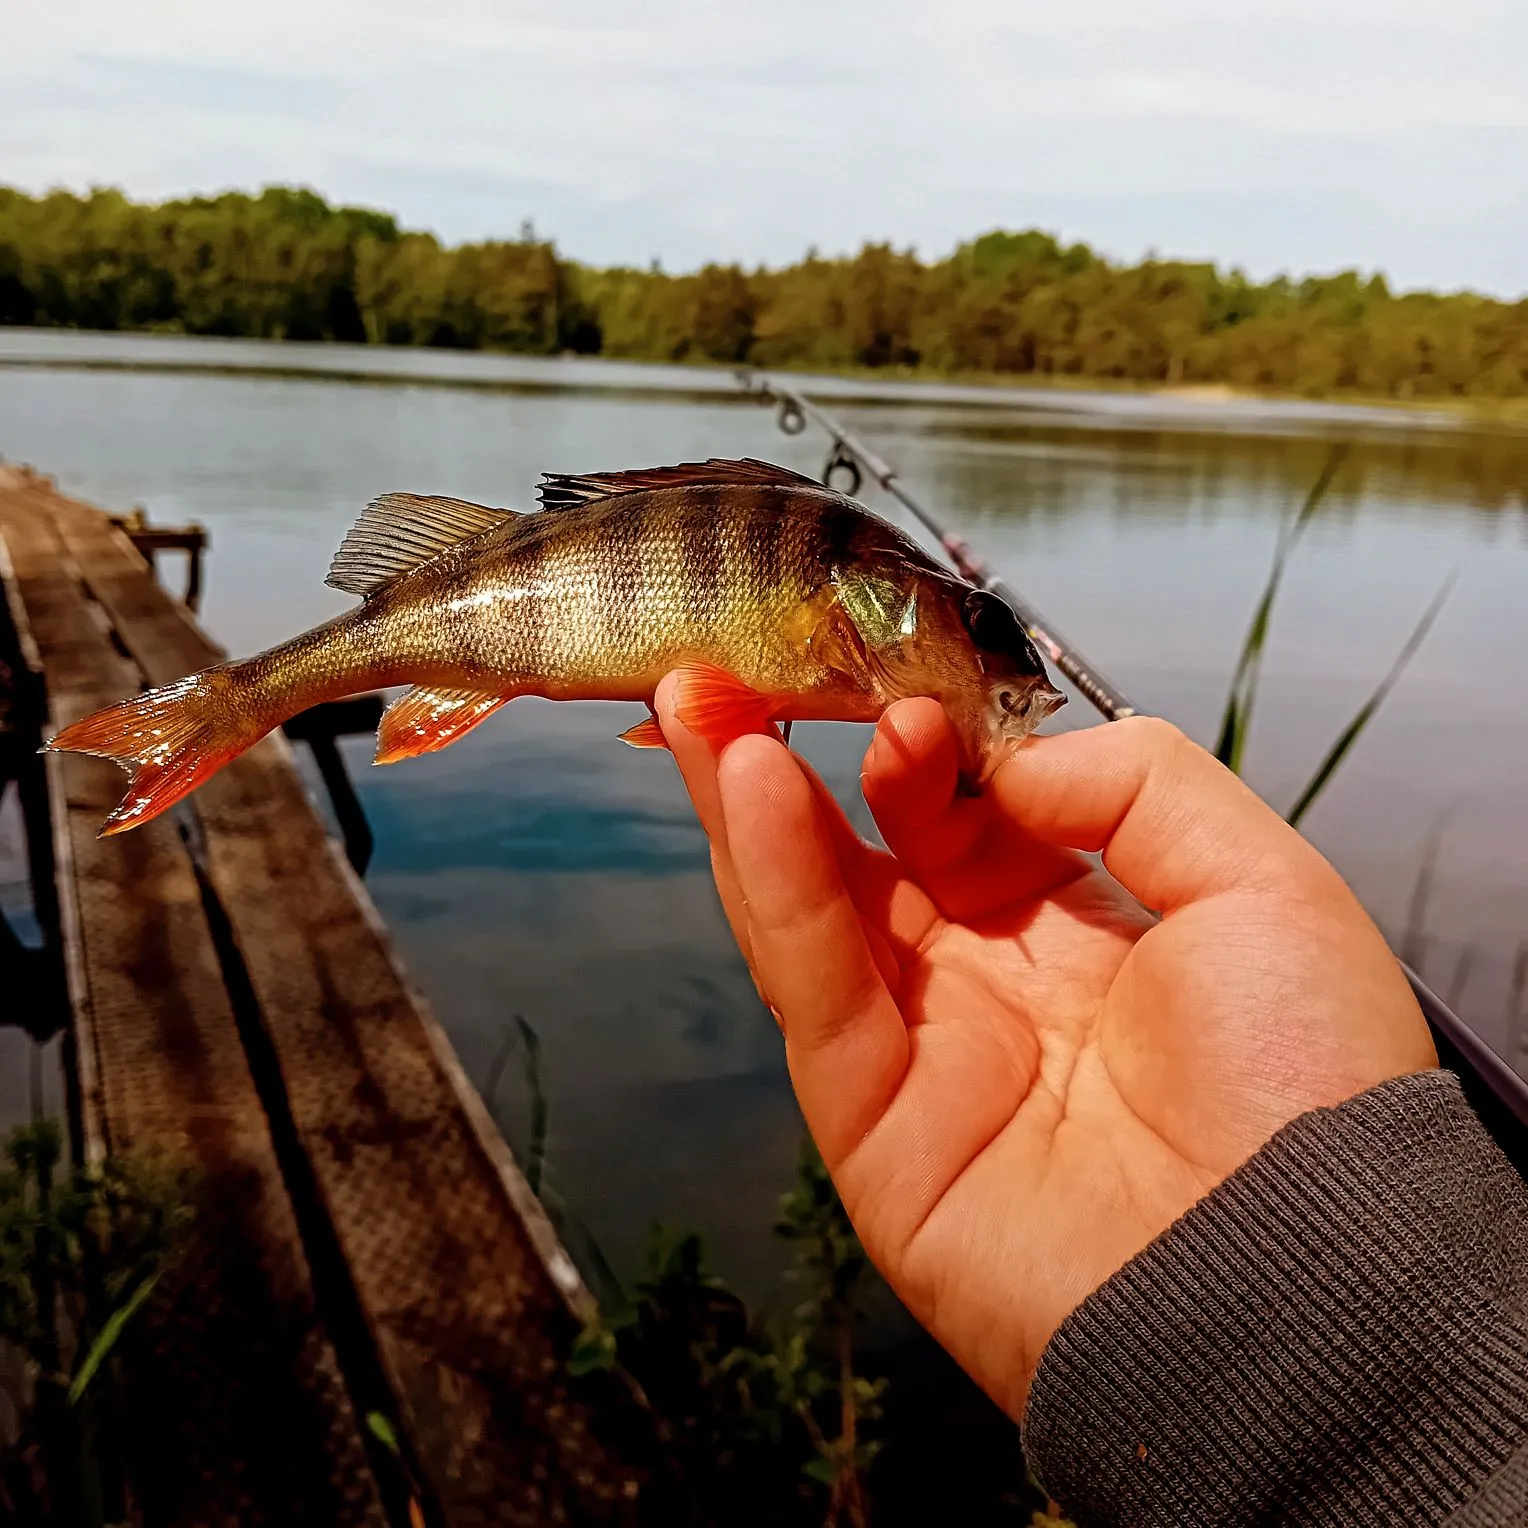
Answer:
(171, 739)
(718, 707)
(646, 734)
(425, 720)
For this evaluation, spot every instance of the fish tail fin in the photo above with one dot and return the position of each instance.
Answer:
(171, 739)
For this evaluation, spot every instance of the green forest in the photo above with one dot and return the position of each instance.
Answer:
(285, 264)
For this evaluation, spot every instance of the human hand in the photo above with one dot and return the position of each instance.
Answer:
(1016, 1076)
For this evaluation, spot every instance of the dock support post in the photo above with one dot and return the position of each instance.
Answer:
(354, 828)
(319, 727)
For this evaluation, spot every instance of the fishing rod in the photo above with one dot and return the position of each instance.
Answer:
(853, 457)
(1498, 1095)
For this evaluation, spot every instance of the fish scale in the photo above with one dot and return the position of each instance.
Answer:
(782, 600)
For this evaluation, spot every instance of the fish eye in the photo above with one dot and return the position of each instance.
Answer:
(995, 629)
(988, 619)
(1007, 699)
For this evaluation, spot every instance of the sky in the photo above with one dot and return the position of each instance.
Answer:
(1299, 135)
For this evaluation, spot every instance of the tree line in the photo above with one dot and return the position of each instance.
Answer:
(285, 264)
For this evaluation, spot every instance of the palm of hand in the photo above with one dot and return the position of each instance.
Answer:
(1016, 1076)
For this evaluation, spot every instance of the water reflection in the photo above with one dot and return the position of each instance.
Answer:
(541, 868)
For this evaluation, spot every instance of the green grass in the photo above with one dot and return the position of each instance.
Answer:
(82, 1251)
(1241, 699)
(1414, 941)
(1350, 734)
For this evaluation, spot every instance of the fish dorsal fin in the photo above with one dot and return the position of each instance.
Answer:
(401, 530)
(562, 491)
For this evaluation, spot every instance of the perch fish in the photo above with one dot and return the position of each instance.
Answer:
(784, 600)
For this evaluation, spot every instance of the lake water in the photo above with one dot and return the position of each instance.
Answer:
(541, 869)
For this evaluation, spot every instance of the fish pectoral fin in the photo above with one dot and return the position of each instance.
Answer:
(646, 734)
(425, 720)
(884, 614)
(826, 629)
(718, 706)
(868, 632)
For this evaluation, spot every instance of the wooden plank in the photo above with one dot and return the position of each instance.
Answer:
(239, 1415)
(468, 1296)
(154, 538)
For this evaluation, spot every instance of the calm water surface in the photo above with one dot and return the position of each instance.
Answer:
(539, 868)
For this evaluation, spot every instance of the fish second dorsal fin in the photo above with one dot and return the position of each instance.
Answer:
(562, 491)
(401, 530)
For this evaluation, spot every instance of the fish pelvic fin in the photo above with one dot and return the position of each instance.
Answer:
(400, 531)
(425, 720)
(171, 739)
(646, 734)
(715, 705)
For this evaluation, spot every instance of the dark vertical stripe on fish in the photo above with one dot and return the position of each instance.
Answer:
(841, 526)
(622, 563)
(531, 612)
(704, 563)
(771, 541)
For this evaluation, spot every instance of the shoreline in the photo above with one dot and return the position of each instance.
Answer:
(494, 370)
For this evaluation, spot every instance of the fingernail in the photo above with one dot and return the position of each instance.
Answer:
(872, 753)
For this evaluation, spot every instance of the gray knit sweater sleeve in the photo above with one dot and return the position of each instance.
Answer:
(1338, 1334)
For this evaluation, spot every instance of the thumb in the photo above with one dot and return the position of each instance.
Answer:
(1173, 824)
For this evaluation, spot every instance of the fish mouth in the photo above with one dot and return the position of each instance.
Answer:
(1013, 718)
(1044, 701)
(1018, 714)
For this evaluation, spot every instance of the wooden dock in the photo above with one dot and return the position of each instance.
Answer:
(364, 1240)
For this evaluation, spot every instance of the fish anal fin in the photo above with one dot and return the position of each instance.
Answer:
(426, 720)
(719, 707)
(564, 490)
(646, 734)
(400, 531)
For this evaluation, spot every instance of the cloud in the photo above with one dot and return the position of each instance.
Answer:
(1296, 135)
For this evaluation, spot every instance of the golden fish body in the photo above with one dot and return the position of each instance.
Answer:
(791, 601)
(600, 600)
